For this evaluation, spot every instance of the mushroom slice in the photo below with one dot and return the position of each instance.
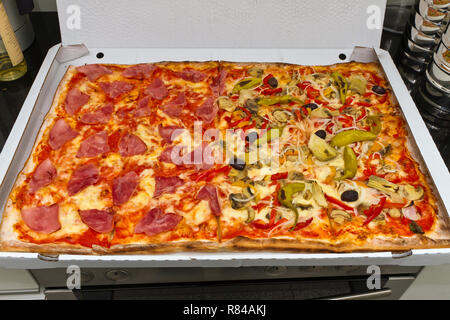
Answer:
(411, 193)
(225, 103)
(281, 115)
(340, 216)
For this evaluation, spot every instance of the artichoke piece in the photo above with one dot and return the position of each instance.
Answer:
(322, 112)
(321, 149)
(247, 83)
(340, 216)
(344, 138)
(358, 84)
(318, 195)
(382, 184)
(225, 103)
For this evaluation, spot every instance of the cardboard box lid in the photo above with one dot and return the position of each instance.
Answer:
(222, 24)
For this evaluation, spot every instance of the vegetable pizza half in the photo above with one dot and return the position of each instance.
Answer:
(177, 156)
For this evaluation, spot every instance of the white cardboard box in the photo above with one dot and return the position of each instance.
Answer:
(133, 31)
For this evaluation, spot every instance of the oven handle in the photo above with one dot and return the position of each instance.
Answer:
(376, 294)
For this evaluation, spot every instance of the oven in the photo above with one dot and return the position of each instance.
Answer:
(246, 283)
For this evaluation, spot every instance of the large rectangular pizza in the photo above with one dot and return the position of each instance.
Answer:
(220, 155)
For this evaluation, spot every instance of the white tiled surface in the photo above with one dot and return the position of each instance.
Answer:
(432, 283)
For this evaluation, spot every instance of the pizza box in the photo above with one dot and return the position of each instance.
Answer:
(294, 31)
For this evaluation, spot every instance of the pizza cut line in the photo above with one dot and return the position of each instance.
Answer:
(220, 155)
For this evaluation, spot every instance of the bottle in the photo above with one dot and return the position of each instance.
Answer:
(12, 62)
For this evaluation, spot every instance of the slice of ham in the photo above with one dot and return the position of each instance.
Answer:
(191, 75)
(218, 84)
(201, 157)
(131, 145)
(155, 221)
(101, 115)
(209, 193)
(157, 89)
(174, 107)
(172, 154)
(100, 221)
(93, 71)
(82, 178)
(116, 88)
(75, 99)
(94, 145)
(166, 185)
(169, 133)
(143, 110)
(207, 111)
(411, 213)
(60, 133)
(123, 187)
(43, 176)
(42, 219)
(139, 72)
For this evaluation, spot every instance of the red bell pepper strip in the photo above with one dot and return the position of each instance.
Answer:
(268, 92)
(248, 117)
(302, 225)
(265, 124)
(363, 114)
(346, 120)
(337, 202)
(374, 211)
(364, 104)
(328, 128)
(279, 176)
(210, 174)
(390, 205)
(266, 79)
(259, 224)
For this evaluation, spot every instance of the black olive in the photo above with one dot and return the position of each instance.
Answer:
(321, 134)
(378, 90)
(237, 164)
(311, 106)
(252, 136)
(273, 83)
(349, 196)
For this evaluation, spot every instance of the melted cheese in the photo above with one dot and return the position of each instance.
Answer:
(91, 198)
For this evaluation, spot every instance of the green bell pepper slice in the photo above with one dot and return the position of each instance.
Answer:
(350, 163)
(342, 85)
(286, 195)
(344, 138)
(374, 124)
(277, 100)
(247, 83)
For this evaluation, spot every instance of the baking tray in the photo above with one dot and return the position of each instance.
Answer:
(39, 99)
